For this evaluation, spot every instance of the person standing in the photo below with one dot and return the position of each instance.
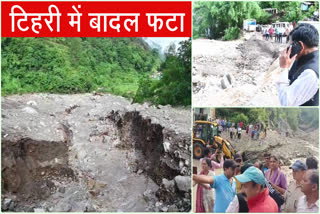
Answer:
(275, 176)
(263, 136)
(253, 133)
(224, 185)
(277, 34)
(220, 129)
(287, 32)
(205, 194)
(239, 202)
(266, 166)
(258, 164)
(239, 132)
(239, 161)
(281, 32)
(298, 83)
(271, 32)
(223, 124)
(294, 192)
(267, 34)
(254, 185)
(231, 132)
(309, 203)
(312, 163)
(229, 125)
(250, 129)
(214, 165)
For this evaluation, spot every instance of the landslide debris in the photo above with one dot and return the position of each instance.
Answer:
(250, 62)
(93, 153)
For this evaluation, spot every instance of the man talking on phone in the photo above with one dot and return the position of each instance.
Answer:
(298, 84)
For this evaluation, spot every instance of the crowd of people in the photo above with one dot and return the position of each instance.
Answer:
(255, 131)
(234, 129)
(256, 187)
(277, 32)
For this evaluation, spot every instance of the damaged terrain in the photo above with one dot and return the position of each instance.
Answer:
(282, 142)
(93, 153)
(235, 73)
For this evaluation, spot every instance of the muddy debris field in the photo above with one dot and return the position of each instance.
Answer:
(93, 153)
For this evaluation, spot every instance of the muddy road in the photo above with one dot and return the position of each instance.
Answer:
(250, 64)
(93, 153)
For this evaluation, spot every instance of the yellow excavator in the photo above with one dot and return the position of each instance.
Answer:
(205, 134)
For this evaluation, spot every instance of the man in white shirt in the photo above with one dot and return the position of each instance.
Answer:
(298, 84)
(293, 192)
(309, 203)
(281, 31)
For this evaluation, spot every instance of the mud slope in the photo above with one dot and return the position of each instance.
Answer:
(93, 153)
(297, 145)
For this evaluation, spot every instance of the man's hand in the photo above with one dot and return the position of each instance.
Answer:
(221, 155)
(203, 179)
(285, 60)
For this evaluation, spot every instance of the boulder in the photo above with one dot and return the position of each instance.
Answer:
(183, 183)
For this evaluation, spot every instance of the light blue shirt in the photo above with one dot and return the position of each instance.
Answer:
(225, 192)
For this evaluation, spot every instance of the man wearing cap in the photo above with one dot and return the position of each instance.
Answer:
(224, 185)
(294, 192)
(254, 185)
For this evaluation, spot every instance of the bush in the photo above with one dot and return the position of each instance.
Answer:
(231, 33)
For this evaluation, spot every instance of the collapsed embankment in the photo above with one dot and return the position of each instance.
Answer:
(93, 153)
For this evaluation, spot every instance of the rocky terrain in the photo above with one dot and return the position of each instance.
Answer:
(235, 73)
(288, 145)
(93, 152)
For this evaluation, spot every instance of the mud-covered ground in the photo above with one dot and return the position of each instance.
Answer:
(93, 152)
(250, 63)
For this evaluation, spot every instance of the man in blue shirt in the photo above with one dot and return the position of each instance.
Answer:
(225, 185)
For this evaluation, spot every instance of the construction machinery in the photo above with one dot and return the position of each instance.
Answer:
(205, 134)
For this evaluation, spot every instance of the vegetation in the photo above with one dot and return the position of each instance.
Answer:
(120, 66)
(175, 85)
(224, 19)
(295, 117)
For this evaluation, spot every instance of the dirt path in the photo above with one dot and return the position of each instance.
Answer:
(252, 64)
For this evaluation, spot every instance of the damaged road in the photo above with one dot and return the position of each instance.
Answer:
(93, 153)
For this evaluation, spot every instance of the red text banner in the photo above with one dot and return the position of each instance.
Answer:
(96, 19)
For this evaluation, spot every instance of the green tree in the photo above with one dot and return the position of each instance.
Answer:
(174, 85)
(217, 19)
(224, 19)
(75, 65)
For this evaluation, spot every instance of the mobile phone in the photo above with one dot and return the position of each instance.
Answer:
(195, 170)
(296, 48)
